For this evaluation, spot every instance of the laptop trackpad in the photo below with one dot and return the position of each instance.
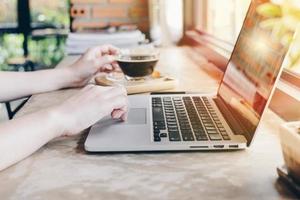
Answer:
(137, 116)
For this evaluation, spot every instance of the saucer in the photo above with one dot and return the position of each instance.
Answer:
(146, 84)
(119, 77)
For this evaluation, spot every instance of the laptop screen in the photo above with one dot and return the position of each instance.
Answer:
(253, 68)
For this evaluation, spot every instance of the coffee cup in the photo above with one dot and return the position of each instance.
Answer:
(137, 63)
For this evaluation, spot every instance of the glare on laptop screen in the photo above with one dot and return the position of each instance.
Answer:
(254, 66)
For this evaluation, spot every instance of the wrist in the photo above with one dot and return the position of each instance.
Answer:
(69, 78)
(57, 118)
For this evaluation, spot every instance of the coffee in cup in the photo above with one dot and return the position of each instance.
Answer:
(137, 65)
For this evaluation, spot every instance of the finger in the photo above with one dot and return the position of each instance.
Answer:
(123, 112)
(116, 114)
(101, 61)
(115, 66)
(105, 50)
(120, 114)
(110, 49)
(124, 117)
(106, 67)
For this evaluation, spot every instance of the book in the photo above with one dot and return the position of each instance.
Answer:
(78, 43)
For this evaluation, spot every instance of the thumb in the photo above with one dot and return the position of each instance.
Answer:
(104, 60)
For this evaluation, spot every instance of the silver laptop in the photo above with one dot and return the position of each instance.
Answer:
(187, 122)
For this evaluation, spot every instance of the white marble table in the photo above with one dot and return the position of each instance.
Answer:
(62, 170)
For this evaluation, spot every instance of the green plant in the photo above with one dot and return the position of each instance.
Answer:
(44, 51)
(283, 20)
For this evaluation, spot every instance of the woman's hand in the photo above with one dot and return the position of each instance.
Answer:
(95, 60)
(91, 104)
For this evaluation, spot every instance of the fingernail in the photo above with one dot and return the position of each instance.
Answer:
(113, 115)
(109, 67)
(124, 117)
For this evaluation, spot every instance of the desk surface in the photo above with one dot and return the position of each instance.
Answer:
(62, 170)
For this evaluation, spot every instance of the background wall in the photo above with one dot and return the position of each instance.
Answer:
(94, 14)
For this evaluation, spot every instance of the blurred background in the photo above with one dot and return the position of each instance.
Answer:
(44, 24)
(37, 34)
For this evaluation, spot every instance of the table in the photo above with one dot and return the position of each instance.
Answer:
(62, 170)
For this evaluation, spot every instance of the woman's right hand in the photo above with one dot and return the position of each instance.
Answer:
(89, 105)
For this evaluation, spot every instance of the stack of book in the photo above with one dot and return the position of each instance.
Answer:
(78, 43)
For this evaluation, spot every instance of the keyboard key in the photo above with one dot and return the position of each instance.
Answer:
(223, 132)
(176, 98)
(157, 139)
(215, 137)
(159, 123)
(212, 132)
(172, 129)
(197, 126)
(163, 135)
(208, 124)
(158, 114)
(199, 133)
(226, 137)
(210, 128)
(171, 123)
(201, 138)
(174, 136)
(188, 138)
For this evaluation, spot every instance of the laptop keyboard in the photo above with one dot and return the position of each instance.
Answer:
(186, 119)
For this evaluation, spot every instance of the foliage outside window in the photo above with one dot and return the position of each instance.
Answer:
(225, 18)
(50, 12)
(283, 19)
(43, 12)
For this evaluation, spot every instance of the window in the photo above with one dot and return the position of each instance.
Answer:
(45, 45)
(287, 19)
(8, 16)
(54, 12)
(223, 20)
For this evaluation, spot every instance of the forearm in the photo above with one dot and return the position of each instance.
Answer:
(22, 136)
(14, 85)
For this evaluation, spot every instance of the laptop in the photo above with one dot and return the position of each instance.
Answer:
(187, 122)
